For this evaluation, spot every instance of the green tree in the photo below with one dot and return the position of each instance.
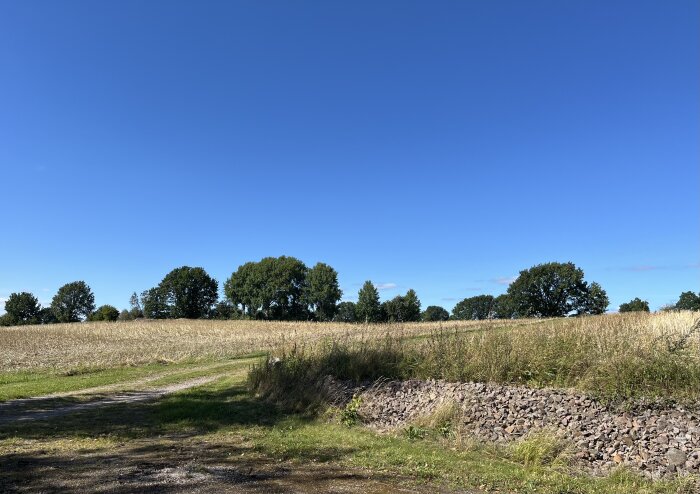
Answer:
(22, 308)
(473, 308)
(504, 308)
(435, 313)
(105, 313)
(345, 312)
(73, 302)
(404, 308)
(125, 315)
(594, 301)
(46, 316)
(635, 305)
(273, 288)
(368, 308)
(136, 310)
(189, 292)
(155, 304)
(688, 301)
(549, 290)
(225, 310)
(322, 291)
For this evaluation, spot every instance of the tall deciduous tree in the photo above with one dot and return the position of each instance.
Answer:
(435, 313)
(402, 308)
(22, 308)
(688, 301)
(472, 308)
(346, 312)
(73, 302)
(105, 313)
(322, 291)
(504, 308)
(595, 300)
(189, 292)
(368, 308)
(273, 288)
(551, 290)
(154, 303)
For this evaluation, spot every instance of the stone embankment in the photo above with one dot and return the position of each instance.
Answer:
(658, 440)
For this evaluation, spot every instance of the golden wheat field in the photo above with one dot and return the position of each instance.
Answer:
(104, 344)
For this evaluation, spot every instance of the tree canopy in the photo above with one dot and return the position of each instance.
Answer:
(435, 313)
(272, 288)
(688, 301)
(346, 312)
(404, 308)
(635, 305)
(73, 302)
(322, 291)
(474, 308)
(554, 290)
(368, 308)
(22, 308)
(189, 292)
(105, 313)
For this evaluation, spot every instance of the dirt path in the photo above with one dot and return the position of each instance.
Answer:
(132, 384)
(49, 407)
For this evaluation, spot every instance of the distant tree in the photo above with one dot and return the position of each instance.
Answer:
(594, 300)
(125, 315)
(473, 308)
(155, 304)
(73, 302)
(390, 310)
(435, 313)
(504, 308)
(550, 290)
(105, 313)
(345, 312)
(46, 316)
(136, 310)
(189, 292)
(688, 301)
(273, 288)
(225, 310)
(404, 308)
(635, 305)
(322, 291)
(411, 307)
(368, 308)
(22, 308)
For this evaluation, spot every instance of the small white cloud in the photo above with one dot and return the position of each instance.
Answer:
(504, 280)
(386, 286)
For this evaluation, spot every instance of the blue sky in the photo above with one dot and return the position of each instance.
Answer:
(440, 146)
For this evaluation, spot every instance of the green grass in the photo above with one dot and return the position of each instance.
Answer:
(613, 359)
(225, 417)
(26, 384)
(299, 438)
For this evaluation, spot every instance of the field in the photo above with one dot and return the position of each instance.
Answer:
(213, 435)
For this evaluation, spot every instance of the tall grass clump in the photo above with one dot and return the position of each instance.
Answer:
(614, 357)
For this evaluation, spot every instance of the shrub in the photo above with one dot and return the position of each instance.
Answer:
(635, 305)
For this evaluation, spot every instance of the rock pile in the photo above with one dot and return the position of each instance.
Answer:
(658, 440)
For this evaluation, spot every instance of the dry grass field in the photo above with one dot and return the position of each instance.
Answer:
(107, 344)
(218, 437)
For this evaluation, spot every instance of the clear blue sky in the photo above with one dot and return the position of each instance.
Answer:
(441, 146)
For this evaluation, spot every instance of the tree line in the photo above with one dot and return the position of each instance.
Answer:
(284, 288)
